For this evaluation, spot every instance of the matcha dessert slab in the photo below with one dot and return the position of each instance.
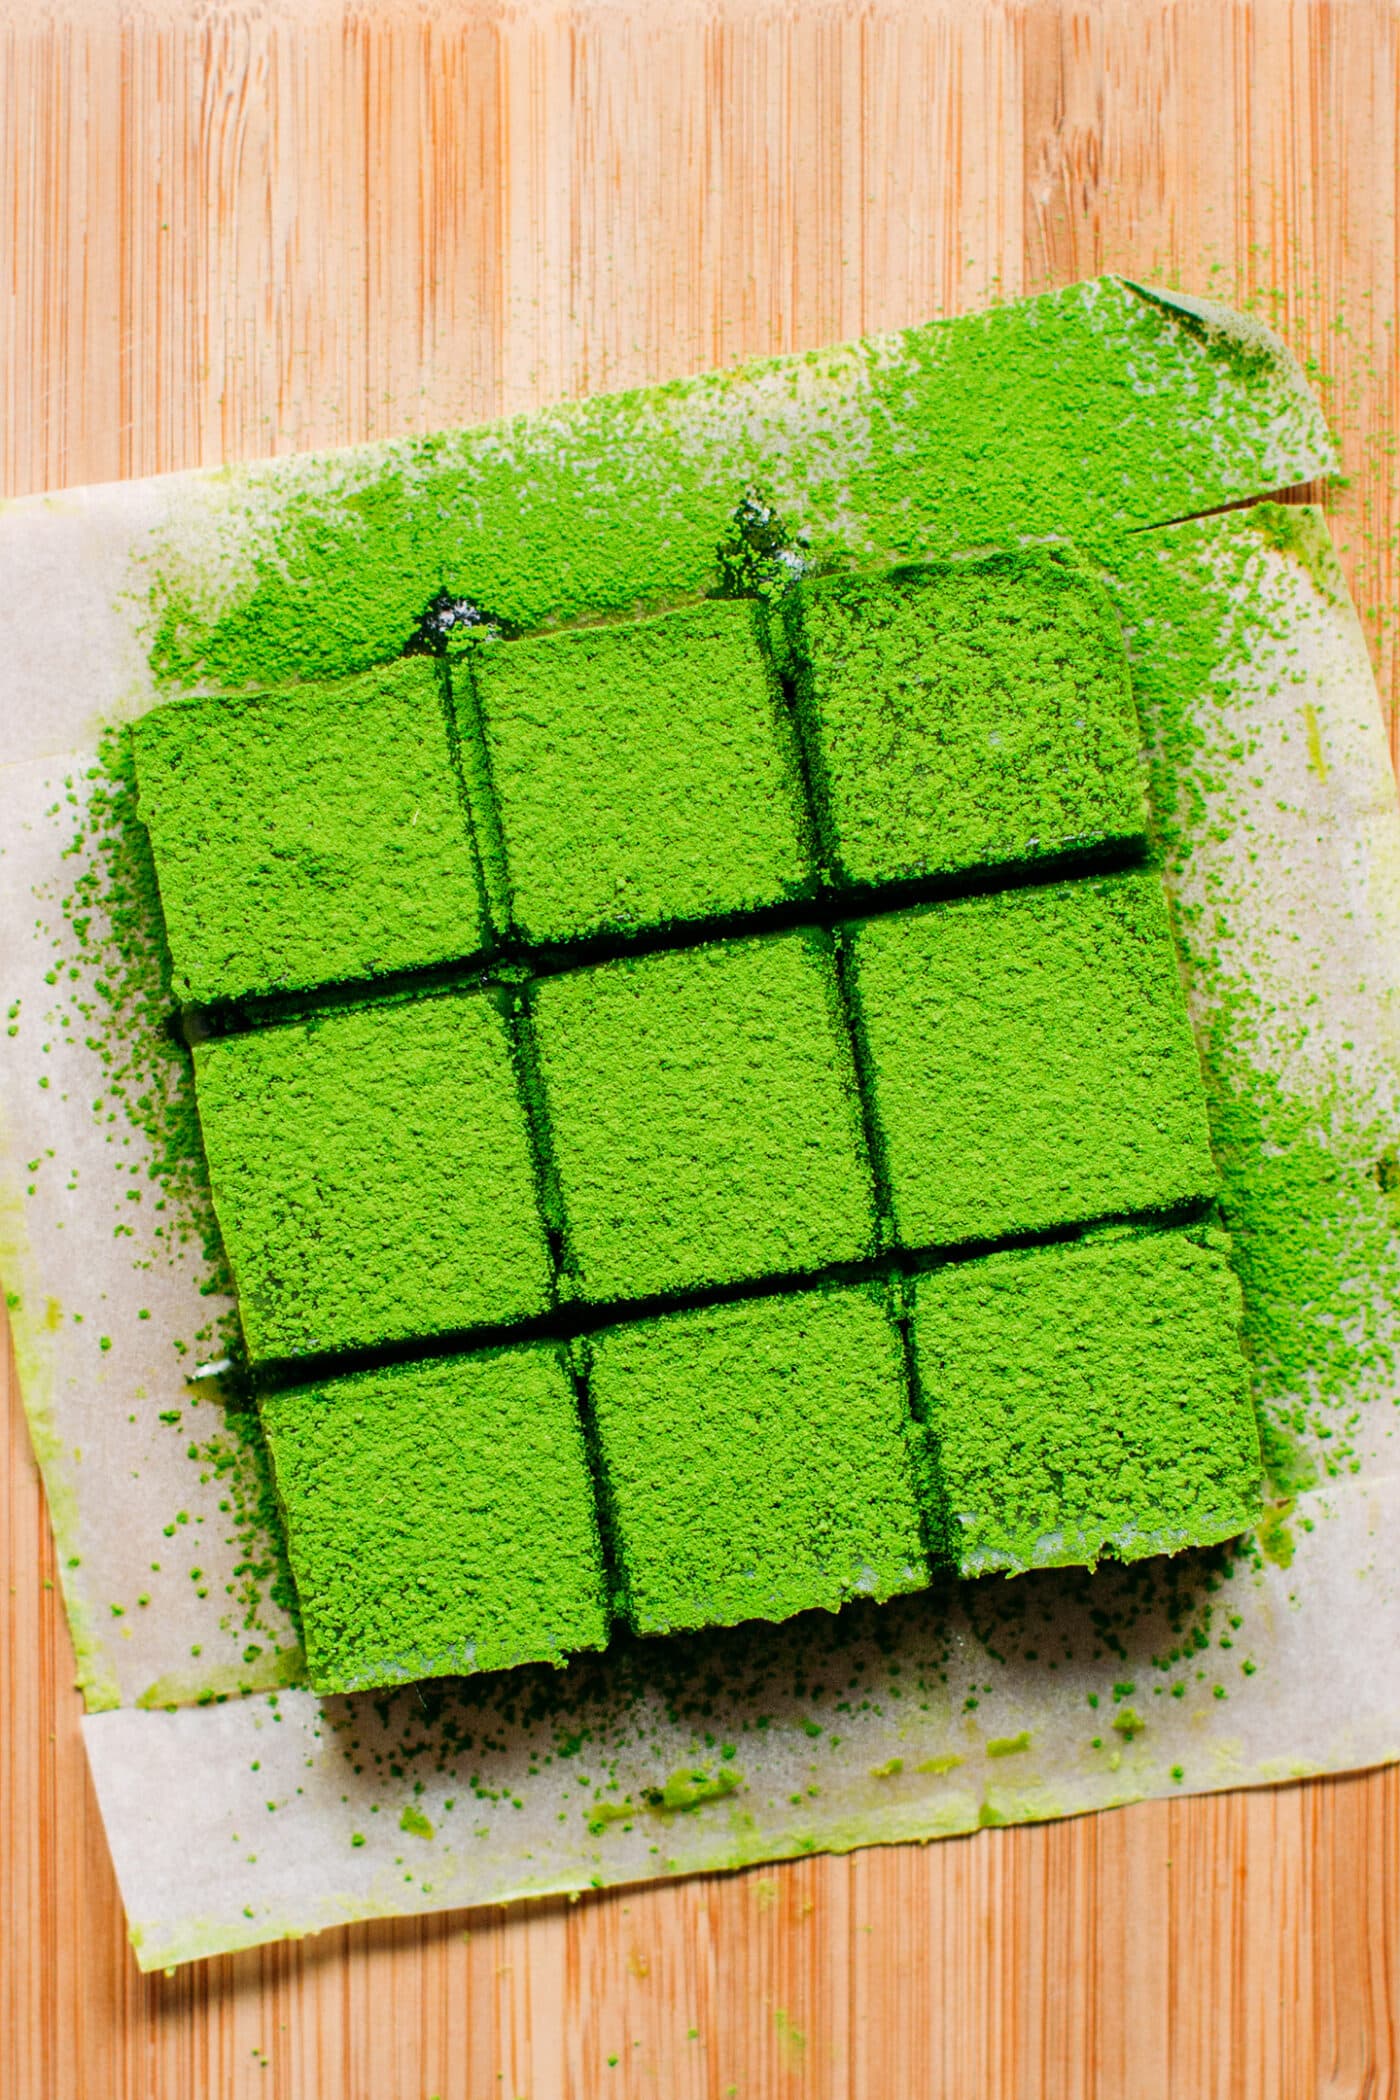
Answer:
(1088, 1400)
(372, 1174)
(1031, 1060)
(704, 1117)
(440, 1517)
(729, 1112)
(965, 715)
(600, 863)
(644, 773)
(305, 836)
(758, 1459)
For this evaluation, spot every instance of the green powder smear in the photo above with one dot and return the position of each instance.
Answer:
(1318, 1253)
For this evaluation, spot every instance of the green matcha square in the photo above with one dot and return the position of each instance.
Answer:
(308, 836)
(372, 1175)
(703, 1116)
(644, 772)
(1088, 1399)
(439, 1518)
(964, 714)
(757, 1459)
(1031, 1061)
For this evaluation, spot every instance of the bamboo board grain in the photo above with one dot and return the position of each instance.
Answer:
(257, 227)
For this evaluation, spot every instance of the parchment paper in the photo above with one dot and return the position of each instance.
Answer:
(237, 1812)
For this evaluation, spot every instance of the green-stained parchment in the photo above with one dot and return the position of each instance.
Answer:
(1102, 413)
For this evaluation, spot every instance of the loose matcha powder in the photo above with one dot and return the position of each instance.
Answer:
(1062, 414)
(1303, 1150)
(112, 984)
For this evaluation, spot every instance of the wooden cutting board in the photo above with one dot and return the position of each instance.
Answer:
(283, 226)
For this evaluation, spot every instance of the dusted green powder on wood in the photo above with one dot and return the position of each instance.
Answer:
(307, 836)
(1031, 1060)
(756, 1459)
(703, 1116)
(644, 772)
(372, 1175)
(1088, 1399)
(965, 714)
(440, 1518)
